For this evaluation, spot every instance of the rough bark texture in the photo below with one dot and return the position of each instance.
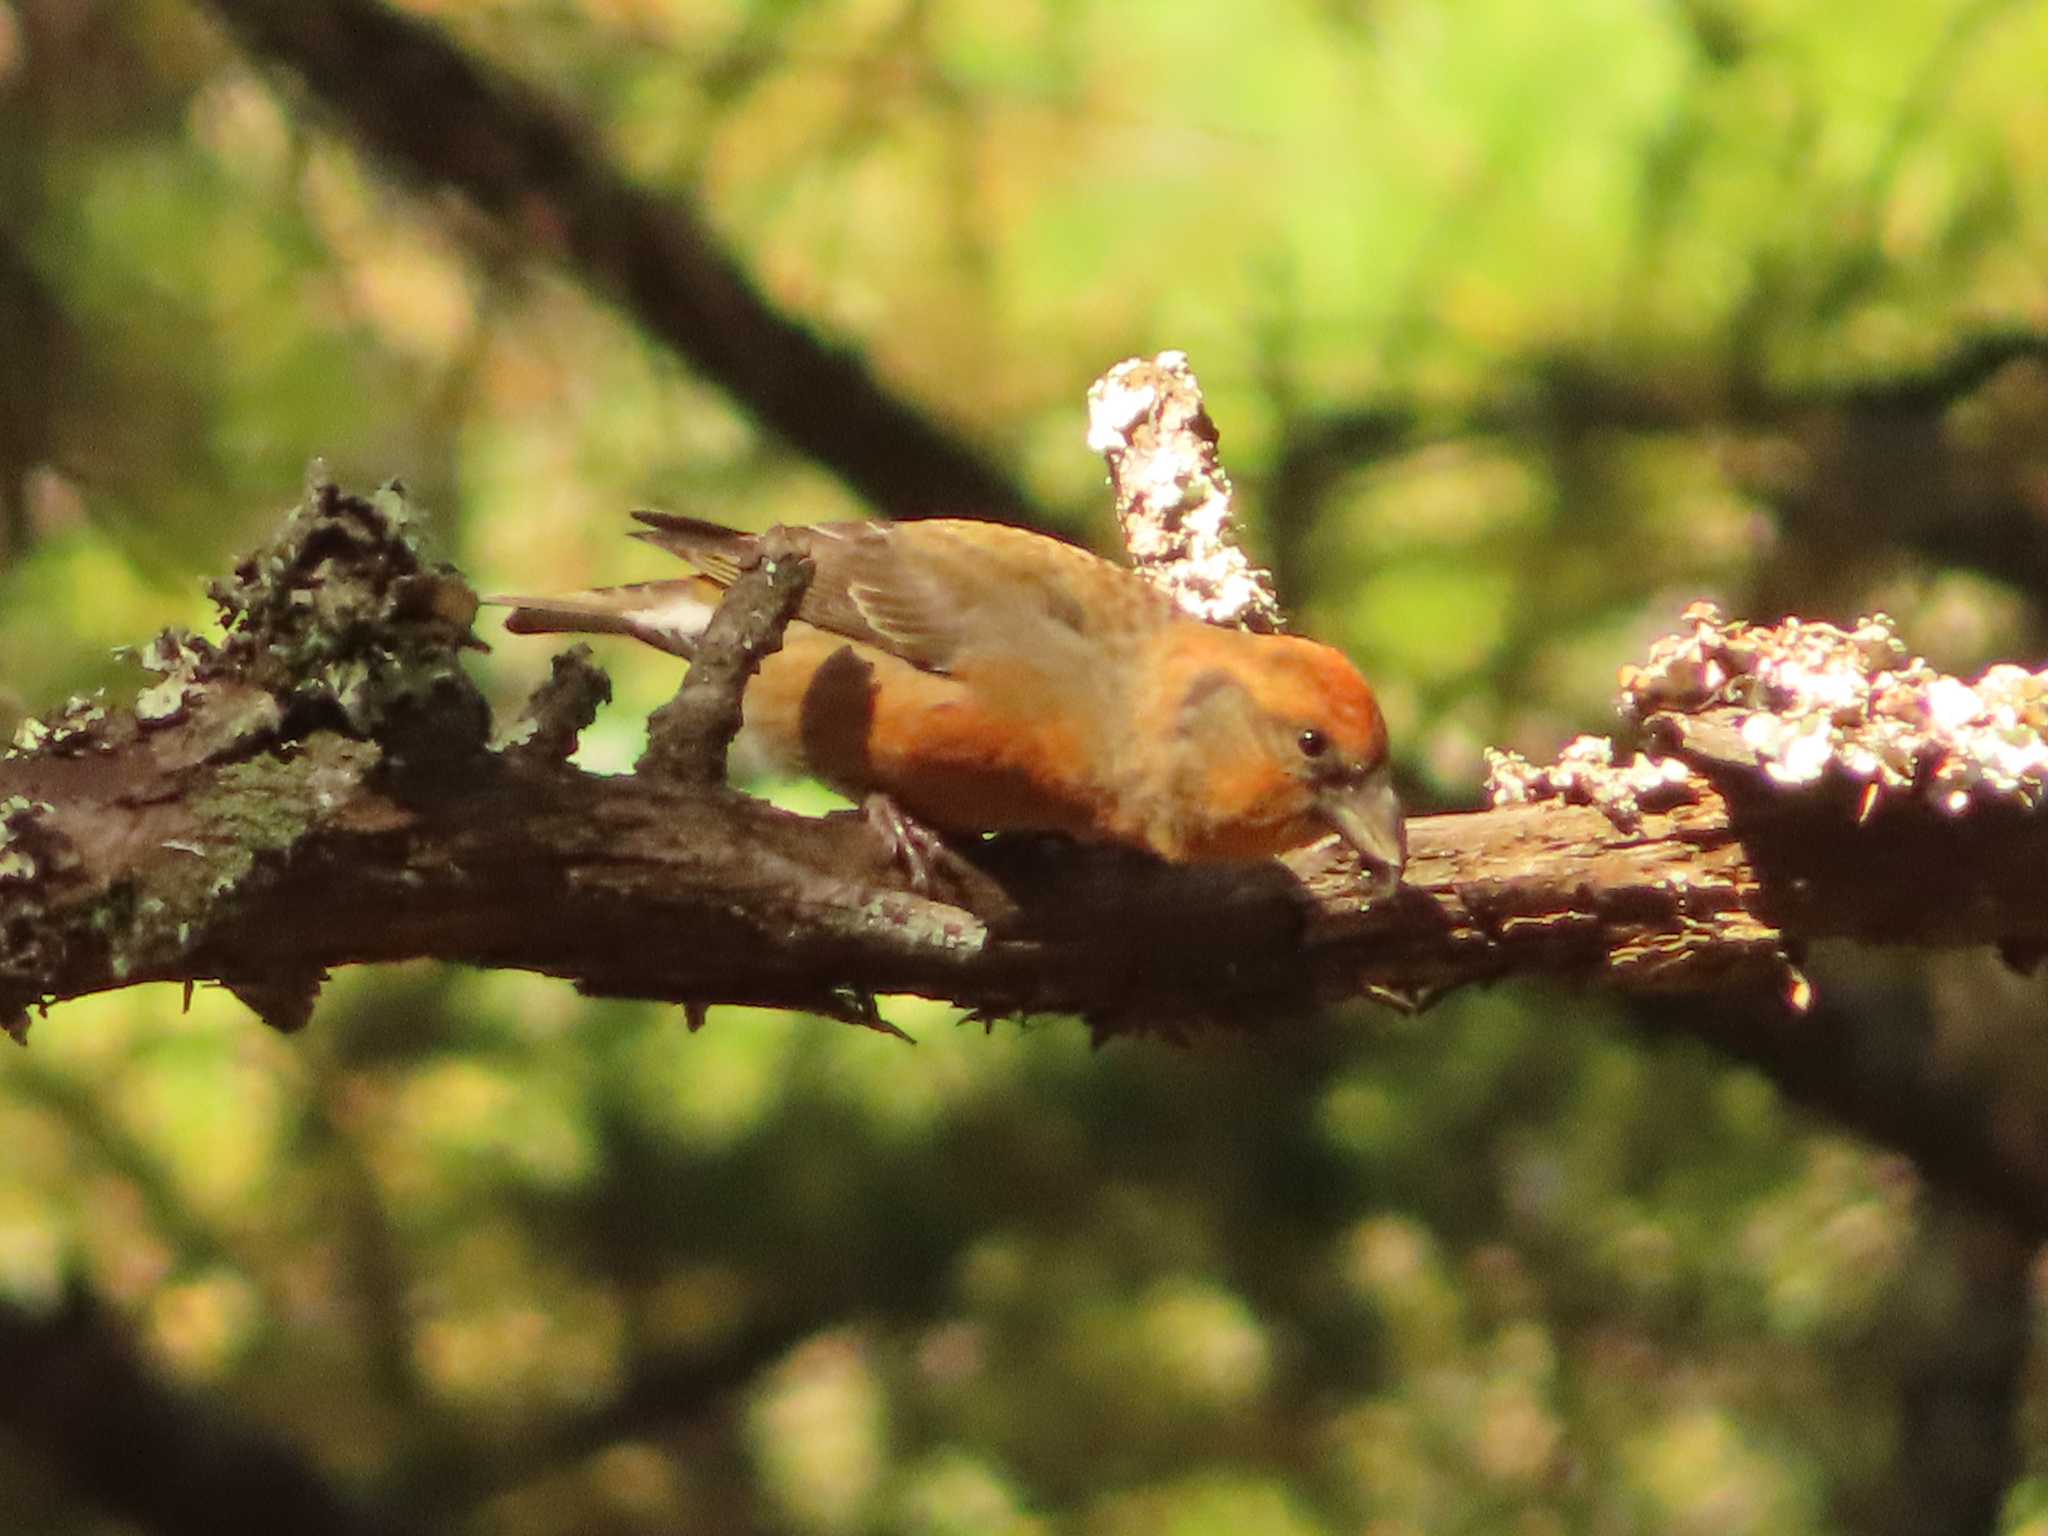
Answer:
(687, 738)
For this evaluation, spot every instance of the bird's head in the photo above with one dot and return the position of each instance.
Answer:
(1284, 743)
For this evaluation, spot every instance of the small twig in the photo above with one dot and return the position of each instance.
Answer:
(284, 1001)
(1146, 418)
(562, 708)
(689, 736)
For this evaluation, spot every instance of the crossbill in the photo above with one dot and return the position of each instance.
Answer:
(988, 678)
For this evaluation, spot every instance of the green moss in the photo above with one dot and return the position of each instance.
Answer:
(266, 805)
(346, 624)
(254, 812)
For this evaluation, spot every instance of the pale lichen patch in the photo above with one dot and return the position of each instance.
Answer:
(1588, 772)
(1820, 699)
(1173, 496)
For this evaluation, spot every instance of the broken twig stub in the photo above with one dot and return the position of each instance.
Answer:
(1173, 498)
(689, 737)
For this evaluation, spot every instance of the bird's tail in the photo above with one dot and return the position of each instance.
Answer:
(668, 615)
(721, 553)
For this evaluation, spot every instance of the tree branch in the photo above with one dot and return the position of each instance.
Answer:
(1146, 418)
(316, 790)
(688, 737)
(1955, 509)
(408, 94)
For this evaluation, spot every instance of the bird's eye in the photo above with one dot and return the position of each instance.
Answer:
(1313, 743)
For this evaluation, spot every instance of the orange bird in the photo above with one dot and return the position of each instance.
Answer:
(987, 678)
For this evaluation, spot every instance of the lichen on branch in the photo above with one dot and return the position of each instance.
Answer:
(1802, 704)
(136, 834)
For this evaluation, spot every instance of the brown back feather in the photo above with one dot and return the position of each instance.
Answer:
(829, 602)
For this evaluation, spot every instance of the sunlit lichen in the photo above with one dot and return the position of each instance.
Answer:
(1588, 772)
(1173, 497)
(1822, 699)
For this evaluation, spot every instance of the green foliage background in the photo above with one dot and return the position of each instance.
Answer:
(1525, 324)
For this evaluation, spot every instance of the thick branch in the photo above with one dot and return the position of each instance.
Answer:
(1880, 463)
(316, 791)
(305, 797)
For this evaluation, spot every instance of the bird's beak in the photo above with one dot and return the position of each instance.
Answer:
(1366, 815)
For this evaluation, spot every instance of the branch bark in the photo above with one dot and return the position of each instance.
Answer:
(687, 738)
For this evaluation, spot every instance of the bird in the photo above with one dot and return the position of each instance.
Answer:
(987, 678)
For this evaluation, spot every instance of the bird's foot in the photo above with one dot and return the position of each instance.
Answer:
(909, 844)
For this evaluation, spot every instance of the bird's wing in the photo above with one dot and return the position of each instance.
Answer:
(721, 553)
(1041, 634)
(950, 590)
(939, 591)
(856, 590)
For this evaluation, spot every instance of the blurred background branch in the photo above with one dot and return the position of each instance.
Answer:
(448, 120)
(84, 1400)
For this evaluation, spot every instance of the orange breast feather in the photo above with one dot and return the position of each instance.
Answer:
(966, 751)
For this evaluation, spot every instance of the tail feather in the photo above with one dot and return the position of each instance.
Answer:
(721, 553)
(669, 615)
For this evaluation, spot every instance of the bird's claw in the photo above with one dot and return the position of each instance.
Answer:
(909, 844)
